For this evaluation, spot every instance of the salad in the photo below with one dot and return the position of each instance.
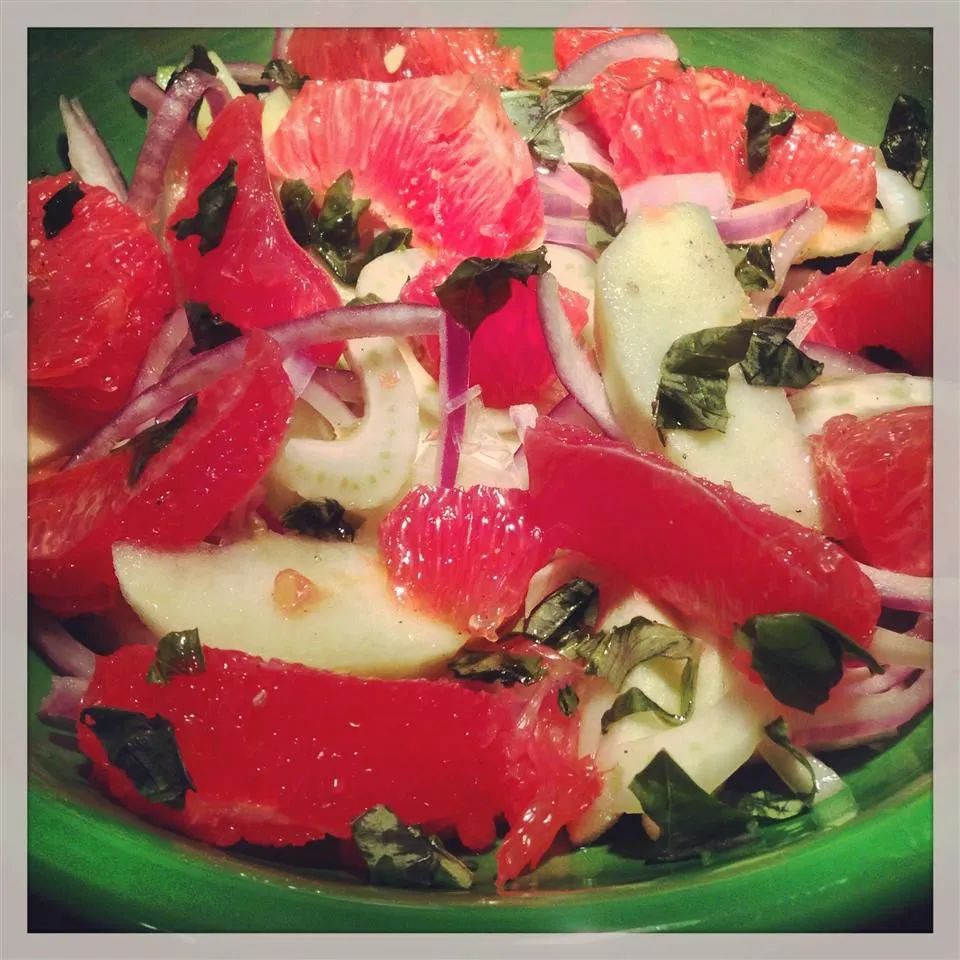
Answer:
(529, 455)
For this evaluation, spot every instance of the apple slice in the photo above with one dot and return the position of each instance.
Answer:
(324, 604)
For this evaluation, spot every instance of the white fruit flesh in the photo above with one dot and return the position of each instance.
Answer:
(352, 623)
(575, 271)
(863, 396)
(386, 276)
(371, 466)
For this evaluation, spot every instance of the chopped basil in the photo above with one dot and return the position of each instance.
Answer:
(480, 286)
(753, 264)
(565, 611)
(213, 210)
(923, 251)
(884, 357)
(178, 654)
(498, 666)
(906, 140)
(773, 361)
(777, 732)
(799, 657)
(284, 75)
(320, 519)
(538, 81)
(196, 59)
(635, 700)
(149, 442)
(767, 805)
(761, 126)
(534, 113)
(365, 301)
(339, 218)
(58, 210)
(694, 376)
(607, 216)
(687, 816)
(568, 700)
(145, 750)
(208, 329)
(296, 200)
(399, 855)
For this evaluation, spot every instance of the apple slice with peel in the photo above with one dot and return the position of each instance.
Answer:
(666, 275)
(327, 605)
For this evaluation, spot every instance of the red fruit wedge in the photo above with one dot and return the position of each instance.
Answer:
(712, 554)
(280, 754)
(438, 155)
(509, 359)
(464, 555)
(694, 123)
(74, 517)
(876, 482)
(861, 306)
(98, 291)
(571, 43)
(258, 275)
(392, 53)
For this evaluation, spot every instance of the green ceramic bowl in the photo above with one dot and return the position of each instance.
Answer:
(101, 864)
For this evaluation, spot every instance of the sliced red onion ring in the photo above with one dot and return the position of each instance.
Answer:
(161, 351)
(902, 202)
(708, 190)
(564, 182)
(836, 362)
(786, 250)
(462, 399)
(167, 122)
(568, 410)
(248, 74)
(300, 371)
(902, 649)
(559, 206)
(147, 92)
(454, 381)
(573, 368)
(569, 233)
(330, 407)
(635, 47)
(59, 647)
(281, 38)
(579, 147)
(758, 220)
(64, 699)
(900, 591)
(345, 384)
(339, 323)
(89, 155)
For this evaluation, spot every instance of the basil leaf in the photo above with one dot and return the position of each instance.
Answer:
(613, 654)
(562, 613)
(196, 59)
(339, 216)
(145, 750)
(753, 264)
(923, 251)
(150, 442)
(773, 361)
(606, 205)
(320, 519)
(296, 201)
(497, 667)
(761, 126)
(534, 114)
(213, 210)
(906, 139)
(399, 855)
(480, 286)
(347, 269)
(777, 732)
(568, 700)
(58, 210)
(635, 700)
(208, 329)
(284, 75)
(767, 805)
(538, 81)
(799, 657)
(688, 816)
(178, 654)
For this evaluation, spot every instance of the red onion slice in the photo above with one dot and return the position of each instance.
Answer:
(708, 190)
(64, 699)
(300, 371)
(569, 233)
(59, 647)
(161, 351)
(900, 591)
(344, 384)
(758, 220)
(636, 47)
(339, 323)
(786, 250)
(579, 147)
(557, 206)
(281, 38)
(568, 410)
(454, 381)
(330, 407)
(248, 74)
(902, 649)
(89, 155)
(573, 368)
(178, 101)
(148, 93)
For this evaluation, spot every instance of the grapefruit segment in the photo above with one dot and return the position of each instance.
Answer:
(257, 276)
(708, 552)
(438, 155)
(390, 53)
(876, 481)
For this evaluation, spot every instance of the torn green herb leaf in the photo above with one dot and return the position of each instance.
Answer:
(761, 126)
(213, 211)
(148, 443)
(178, 654)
